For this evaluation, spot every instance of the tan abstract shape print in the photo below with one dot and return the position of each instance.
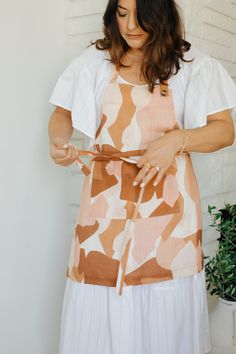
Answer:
(124, 118)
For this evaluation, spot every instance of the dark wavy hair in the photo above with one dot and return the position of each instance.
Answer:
(165, 46)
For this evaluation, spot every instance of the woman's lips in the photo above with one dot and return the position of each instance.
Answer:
(134, 36)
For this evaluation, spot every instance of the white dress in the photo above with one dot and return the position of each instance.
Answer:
(168, 317)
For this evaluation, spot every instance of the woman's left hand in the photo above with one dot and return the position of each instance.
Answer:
(160, 154)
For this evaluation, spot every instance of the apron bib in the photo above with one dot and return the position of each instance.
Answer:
(125, 234)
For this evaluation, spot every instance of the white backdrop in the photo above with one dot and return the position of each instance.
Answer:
(34, 197)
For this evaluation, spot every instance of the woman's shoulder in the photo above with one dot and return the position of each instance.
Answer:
(200, 60)
(91, 58)
(201, 65)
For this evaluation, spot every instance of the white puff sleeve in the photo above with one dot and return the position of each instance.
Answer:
(74, 91)
(210, 90)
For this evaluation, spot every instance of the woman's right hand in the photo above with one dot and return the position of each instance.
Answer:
(62, 153)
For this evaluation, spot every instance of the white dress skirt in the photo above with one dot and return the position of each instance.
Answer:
(167, 317)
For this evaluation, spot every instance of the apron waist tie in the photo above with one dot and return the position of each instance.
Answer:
(103, 156)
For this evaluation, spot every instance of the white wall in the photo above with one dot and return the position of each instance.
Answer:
(34, 193)
(39, 201)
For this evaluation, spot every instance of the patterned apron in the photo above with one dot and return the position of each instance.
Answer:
(125, 234)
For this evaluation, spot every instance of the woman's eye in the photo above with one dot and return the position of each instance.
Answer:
(121, 15)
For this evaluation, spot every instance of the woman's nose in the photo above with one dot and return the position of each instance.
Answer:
(132, 22)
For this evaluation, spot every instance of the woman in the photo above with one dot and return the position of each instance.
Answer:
(146, 99)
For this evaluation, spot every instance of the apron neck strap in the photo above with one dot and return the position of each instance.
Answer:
(164, 87)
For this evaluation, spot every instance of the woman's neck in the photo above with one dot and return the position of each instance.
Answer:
(135, 54)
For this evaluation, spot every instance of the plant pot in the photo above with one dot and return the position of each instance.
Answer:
(223, 326)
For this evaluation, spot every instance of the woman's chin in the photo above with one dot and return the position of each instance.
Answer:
(136, 46)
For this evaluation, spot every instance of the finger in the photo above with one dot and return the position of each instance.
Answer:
(68, 159)
(142, 161)
(69, 154)
(58, 153)
(148, 158)
(57, 161)
(64, 163)
(152, 172)
(58, 156)
(159, 177)
(61, 163)
(74, 153)
(142, 173)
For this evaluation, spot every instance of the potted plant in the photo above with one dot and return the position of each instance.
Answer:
(221, 277)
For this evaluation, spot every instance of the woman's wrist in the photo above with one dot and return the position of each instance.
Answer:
(60, 129)
(181, 141)
(184, 147)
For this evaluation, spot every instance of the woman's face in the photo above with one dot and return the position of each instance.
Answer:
(129, 28)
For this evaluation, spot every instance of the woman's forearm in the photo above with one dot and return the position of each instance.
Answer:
(212, 137)
(60, 127)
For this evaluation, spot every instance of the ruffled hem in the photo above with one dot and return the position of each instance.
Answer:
(168, 317)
